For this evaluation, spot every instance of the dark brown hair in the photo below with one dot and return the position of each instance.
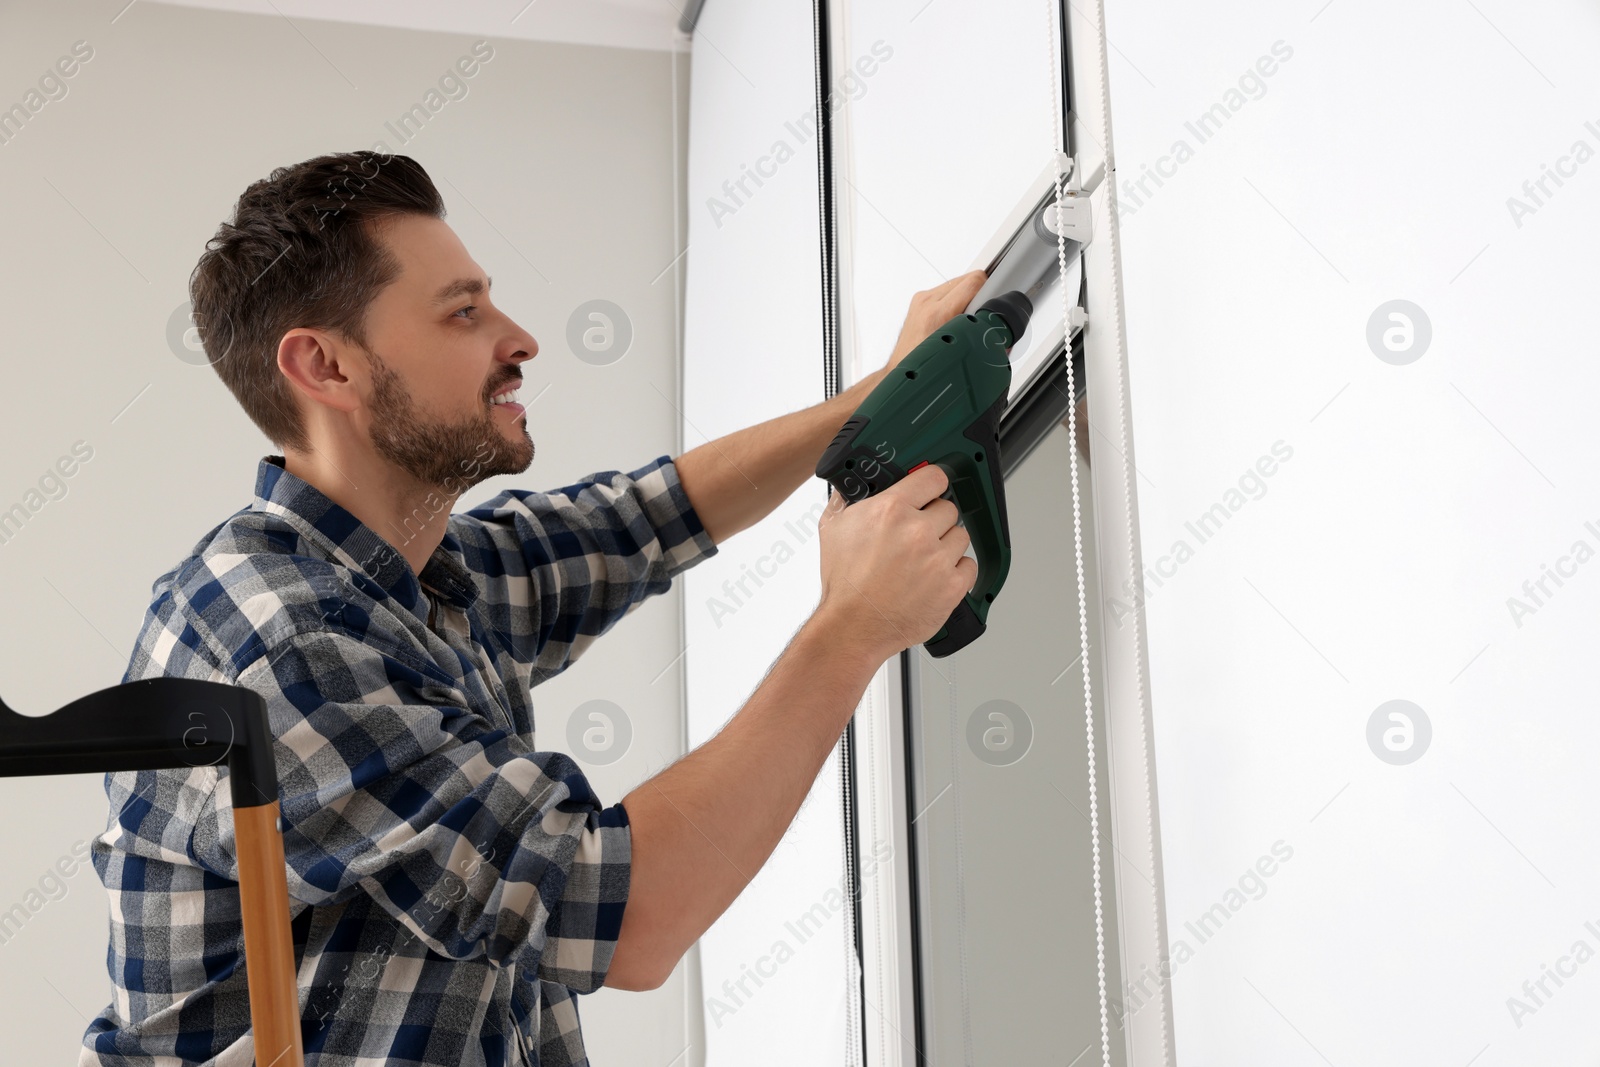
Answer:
(300, 251)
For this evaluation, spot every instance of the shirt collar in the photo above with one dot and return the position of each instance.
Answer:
(350, 541)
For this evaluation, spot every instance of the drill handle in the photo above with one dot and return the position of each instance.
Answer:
(979, 491)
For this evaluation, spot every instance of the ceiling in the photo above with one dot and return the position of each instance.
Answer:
(646, 24)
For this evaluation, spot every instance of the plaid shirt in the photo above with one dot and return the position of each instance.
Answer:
(450, 887)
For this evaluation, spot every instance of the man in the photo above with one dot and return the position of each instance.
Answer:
(450, 886)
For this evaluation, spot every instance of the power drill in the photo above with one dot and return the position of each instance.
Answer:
(942, 404)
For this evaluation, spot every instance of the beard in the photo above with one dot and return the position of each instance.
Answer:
(450, 456)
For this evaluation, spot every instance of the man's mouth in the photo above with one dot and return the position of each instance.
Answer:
(507, 398)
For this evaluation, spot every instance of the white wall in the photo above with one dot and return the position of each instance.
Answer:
(1376, 563)
(106, 200)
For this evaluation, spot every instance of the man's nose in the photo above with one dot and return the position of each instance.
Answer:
(528, 346)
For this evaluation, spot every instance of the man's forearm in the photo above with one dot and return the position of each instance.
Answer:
(735, 481)
(704, 826)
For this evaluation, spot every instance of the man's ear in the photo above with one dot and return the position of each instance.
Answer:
(319, 370)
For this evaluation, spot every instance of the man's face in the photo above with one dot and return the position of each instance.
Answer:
(440, 351)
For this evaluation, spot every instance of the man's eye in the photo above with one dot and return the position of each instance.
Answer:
(469, 307)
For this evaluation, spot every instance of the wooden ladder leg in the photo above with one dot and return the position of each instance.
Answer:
(268, 941)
